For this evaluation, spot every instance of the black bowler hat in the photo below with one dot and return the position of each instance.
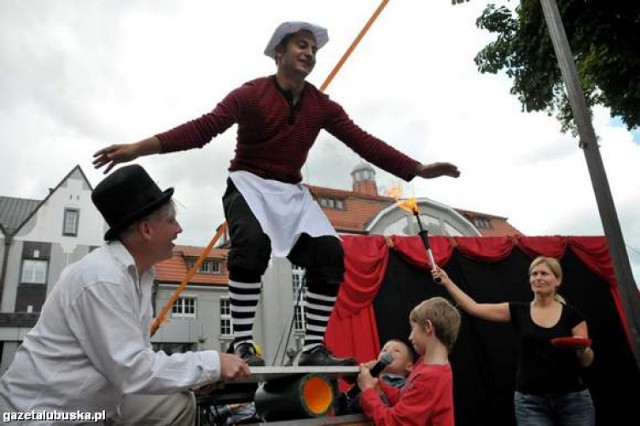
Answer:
(127, 195)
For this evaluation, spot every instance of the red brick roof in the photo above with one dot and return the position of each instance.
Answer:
(359, 208)
(362, 208)
(174, 270)
(499, 225)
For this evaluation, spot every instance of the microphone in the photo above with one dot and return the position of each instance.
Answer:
(385, 359)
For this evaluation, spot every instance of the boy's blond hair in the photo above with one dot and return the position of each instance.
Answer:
(444, 317)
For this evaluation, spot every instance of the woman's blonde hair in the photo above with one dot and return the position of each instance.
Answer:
(554, 265)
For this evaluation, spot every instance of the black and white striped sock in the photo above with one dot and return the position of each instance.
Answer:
(318, 309)
(243, 301)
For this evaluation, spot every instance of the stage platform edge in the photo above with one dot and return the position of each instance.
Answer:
(350, 420)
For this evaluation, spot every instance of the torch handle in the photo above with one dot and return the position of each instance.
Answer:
(433, 265)
(424, 236)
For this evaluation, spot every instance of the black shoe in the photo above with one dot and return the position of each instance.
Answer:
(321, 357)
(247, 352)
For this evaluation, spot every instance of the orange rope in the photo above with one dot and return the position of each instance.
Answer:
(165, 310)
(355, 42)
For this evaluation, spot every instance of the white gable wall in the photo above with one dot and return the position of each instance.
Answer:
(46, 224)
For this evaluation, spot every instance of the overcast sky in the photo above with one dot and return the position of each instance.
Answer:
(78, 75)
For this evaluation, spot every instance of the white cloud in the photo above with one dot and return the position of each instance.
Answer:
(79, 75)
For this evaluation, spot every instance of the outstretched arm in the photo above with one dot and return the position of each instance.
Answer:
(498, 312)
(122, 153)
(434, 170)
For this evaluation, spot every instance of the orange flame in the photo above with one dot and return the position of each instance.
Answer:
(409, 205)
(394, 191)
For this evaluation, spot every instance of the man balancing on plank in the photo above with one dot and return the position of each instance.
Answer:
(267, 208)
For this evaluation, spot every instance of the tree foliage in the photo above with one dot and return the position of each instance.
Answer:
(604, 36)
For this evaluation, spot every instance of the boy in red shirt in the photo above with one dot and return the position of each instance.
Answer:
(427, 397)
(394, 374)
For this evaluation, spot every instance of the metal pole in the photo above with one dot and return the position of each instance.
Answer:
(588, 142)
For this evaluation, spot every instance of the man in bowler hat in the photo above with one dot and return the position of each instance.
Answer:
(279, 118)
(90, 349)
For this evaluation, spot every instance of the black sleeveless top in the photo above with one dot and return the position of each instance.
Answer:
(544, 369)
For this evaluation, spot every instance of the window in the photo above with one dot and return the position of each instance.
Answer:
(209, 266)
(34, 271)
(297, 276)
(185, 307)
(482, 223)
(226, 326)
(331, 203)
(364, 174)
(451, 230)
(70, 223)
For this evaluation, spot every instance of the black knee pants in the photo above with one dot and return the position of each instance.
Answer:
(248, 259)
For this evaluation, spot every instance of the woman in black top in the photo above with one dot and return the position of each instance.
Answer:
(549, 386)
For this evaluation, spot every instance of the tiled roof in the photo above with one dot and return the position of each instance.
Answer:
(14, 211)
(471, 214)
(499, 225)
(341, 193)
(359, 208)
(174, 270)
(500, 228)
(194, 251)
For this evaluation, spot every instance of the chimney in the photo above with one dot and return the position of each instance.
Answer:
(364, 179)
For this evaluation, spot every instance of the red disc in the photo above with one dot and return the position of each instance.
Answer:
(571, 342)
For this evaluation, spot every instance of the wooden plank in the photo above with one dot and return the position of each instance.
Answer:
(263, 374)
(350, 420)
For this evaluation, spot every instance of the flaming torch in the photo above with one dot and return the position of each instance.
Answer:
(411, 206)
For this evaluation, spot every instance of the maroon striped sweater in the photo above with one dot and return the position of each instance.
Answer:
(274, 137)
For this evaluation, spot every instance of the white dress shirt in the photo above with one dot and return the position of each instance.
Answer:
(91, 343)
(284, 210)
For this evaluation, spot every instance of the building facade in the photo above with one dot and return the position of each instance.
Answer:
(39, 239)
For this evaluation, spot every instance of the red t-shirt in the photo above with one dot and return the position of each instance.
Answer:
(274, 136)
(426, 399)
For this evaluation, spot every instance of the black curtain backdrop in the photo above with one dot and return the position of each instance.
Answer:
(483, 359)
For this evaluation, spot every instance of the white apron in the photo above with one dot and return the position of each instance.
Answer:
(284, 210)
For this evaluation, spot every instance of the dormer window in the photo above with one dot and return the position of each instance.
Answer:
(331, 203)
(209, 266)
(482, 223)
